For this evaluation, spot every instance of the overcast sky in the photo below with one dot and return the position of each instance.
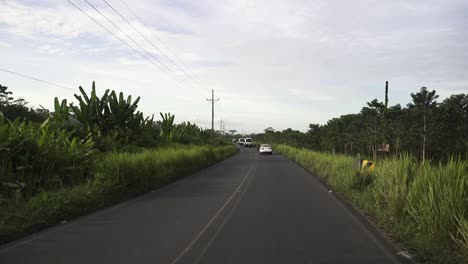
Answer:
(272, 63)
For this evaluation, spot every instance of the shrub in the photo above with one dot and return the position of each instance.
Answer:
(34, 156)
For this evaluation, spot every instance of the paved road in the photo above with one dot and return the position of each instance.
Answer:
(246, 209)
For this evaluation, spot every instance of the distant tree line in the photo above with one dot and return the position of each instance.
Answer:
(18, 108)
(425, 128)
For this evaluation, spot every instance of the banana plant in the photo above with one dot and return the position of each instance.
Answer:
(90, 112)
(108, 114)
(62, 111)
(176, 132)
(187, 128)
(120, 114)
(167, 125)
(32, 155)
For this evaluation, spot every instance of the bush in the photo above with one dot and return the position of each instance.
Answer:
(34, 156)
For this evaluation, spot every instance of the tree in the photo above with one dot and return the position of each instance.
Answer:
(332, 137)
(373, 121)
(424, 105)
(17, 108)
(5, 98)
(454, 135)
(395, 127)
(313, 136)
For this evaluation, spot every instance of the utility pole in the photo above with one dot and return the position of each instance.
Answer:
(386, 95)
(384, 118)
(212, 101)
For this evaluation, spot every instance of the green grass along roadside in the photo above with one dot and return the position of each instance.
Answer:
(423, 207)
(116, 177)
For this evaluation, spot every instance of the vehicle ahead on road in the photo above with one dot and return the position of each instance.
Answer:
(241, 142)
(265, 149)
(248, 142)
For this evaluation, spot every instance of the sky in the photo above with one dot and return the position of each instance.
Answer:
(281, 64)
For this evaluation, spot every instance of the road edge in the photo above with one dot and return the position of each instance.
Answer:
(379, 234)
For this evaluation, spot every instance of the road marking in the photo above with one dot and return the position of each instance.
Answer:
(405, 254)
(212, 239)
(205, 228)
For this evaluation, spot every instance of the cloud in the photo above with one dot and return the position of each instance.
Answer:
(51, 50)
(306, 95)
(30, 21)
(128, 61)
(4, 44)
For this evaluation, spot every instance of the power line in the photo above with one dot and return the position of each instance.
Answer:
(152, 44)
(125, 34)
(157, 48)
(115, 35)
(149, 41)
(38, 80)
(162, 42)
(141, 47)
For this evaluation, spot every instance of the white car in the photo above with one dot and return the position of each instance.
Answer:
(241, 142)
(248, 142)
(265, 149)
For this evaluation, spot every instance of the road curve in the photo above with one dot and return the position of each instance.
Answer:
(246, 209)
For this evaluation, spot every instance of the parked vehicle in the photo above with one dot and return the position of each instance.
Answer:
(265, 149)
(241, 142)
(248, 143)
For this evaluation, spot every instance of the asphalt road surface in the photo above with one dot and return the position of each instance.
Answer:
(246, 209)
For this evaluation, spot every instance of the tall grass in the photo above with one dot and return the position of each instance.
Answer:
(116, 177)
(425, 207)
(151, 168)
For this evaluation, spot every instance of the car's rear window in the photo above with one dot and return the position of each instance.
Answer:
(248, 140)
(266, 146)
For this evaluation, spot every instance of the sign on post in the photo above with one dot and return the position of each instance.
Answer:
(384, 148)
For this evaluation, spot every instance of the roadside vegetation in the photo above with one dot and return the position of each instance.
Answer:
(56, 165)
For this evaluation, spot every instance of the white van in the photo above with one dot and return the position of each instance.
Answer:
(248, 143)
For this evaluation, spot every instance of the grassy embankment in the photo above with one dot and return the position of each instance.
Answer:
(115, 177)
(424, 207)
